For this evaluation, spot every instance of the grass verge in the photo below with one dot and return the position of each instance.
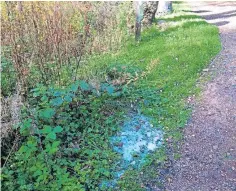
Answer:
(173, 54)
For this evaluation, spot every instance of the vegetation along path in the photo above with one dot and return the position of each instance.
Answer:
(208, 159)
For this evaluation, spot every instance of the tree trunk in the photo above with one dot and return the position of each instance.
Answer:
(139, 15)
(149, 11)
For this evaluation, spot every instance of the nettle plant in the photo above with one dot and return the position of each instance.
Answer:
(65, 143)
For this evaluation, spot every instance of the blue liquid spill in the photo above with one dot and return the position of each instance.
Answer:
(136, 139)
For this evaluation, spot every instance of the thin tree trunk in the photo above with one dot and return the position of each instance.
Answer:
(149, 11)
(139, 15)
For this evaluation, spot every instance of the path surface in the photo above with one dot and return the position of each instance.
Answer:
(208, 161)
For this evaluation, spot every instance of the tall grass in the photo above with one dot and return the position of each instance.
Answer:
(48, 42)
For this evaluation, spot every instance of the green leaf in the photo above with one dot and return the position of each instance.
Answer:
(110, 89)
(37, 173)
(57, 101)
(68, 98)
(57, 129)
(84, 85)
(57, 93)
(74, 87)
(36, 94)
(104, 86)
(22, 149)
(90, 130)
(106, 173)
(52, 148)
(46, 113)
(55, 144)
(44, 98)
(47, 129)
(31, 143)
(25, 125)
(116, 94)
(52, 135)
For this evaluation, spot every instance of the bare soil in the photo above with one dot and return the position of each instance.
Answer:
(208, 153)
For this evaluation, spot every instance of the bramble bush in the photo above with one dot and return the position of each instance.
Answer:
(65, 134)
(65, 144)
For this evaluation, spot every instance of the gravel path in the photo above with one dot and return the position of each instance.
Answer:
(208, 161)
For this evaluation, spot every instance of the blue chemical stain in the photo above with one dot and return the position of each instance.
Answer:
(136, 139)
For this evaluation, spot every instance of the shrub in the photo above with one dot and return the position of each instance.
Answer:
(65, 140)
(49, 41)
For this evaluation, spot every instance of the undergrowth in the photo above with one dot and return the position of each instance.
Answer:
(65, 139)
(181, 51)
(65, 131)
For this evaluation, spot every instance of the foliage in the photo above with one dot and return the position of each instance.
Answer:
(66, 140)
(8, 79)
(65, 131)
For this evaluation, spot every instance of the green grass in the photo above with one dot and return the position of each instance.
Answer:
(172, 57)
(182, 51)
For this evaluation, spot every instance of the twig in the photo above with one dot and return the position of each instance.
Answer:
(11, 150)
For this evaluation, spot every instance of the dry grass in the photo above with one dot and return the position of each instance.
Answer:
(10, 112)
